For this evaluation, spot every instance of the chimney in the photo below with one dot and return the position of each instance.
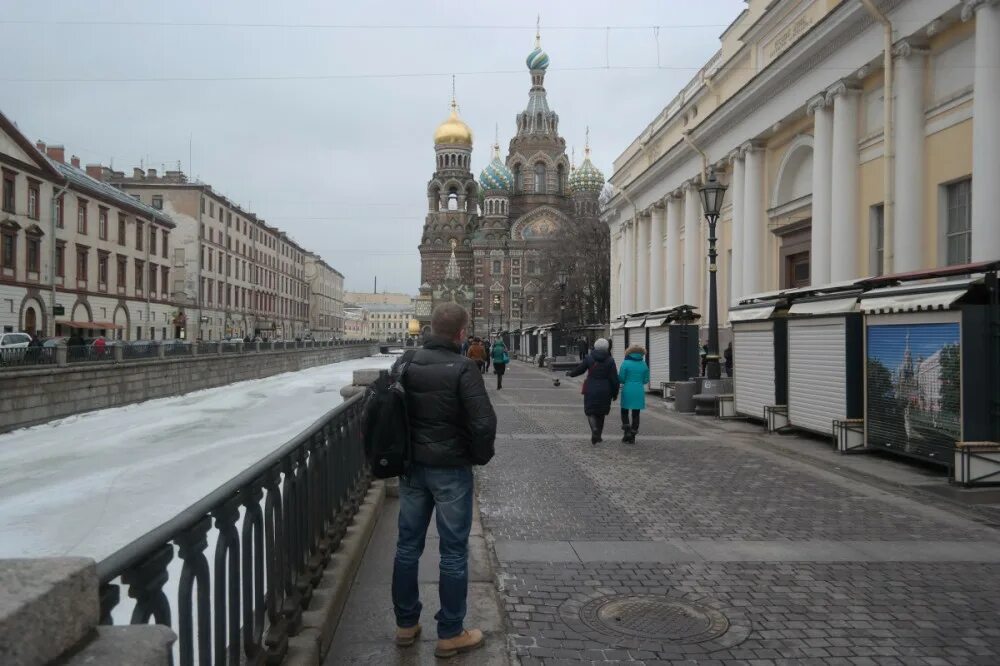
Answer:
(95, 171)
(75, 161)
(41, 146)
(137, 173)
(150, 173)
(58, 153)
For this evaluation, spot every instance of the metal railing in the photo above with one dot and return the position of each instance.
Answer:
(141, 350)
(274, 528)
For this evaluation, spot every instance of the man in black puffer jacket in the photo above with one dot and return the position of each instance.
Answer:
(452, 427)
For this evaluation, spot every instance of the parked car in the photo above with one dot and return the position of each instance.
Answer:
(13, 346)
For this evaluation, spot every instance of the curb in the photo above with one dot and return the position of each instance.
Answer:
(319, 622)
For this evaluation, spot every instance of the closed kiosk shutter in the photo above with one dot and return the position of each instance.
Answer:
(817, 373)
(914, 385)
(659, 356)
(618, 346)
(753, 361)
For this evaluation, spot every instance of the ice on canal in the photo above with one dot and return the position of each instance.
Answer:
(91, 483)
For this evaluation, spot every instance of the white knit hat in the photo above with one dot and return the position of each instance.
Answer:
(602, 344)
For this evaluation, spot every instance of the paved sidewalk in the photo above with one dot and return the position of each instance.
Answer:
(709, 542)
(365, 632)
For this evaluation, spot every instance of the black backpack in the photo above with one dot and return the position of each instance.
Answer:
(386, 423)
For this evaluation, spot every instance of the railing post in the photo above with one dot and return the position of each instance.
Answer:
(161, 350)
(194, 348)
(256, 346)
(118, 352)
(218, 348)
(62, 355)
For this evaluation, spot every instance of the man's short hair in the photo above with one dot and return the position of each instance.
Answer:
(448, 320)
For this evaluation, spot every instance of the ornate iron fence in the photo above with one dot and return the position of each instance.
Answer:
(274, 528)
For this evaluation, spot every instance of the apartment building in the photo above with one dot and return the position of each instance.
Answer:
(326, 298)
(78, 254)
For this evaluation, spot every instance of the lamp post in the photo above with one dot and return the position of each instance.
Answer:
(562, 278)
(497, 307)
(712, 193)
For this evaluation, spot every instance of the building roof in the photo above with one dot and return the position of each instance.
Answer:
(389, 307)
(79, 180)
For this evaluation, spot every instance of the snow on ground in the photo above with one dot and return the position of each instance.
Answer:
(91, 483)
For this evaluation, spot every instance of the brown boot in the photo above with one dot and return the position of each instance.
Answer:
(407, 636)
(468, 640)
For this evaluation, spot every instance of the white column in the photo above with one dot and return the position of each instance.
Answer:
(642, 262)
(657, 277)
(615, 276)
(985, 130)
(736, 191)
(753, 219)
(844, 184)
(819, 250)
(628, 261)
(909, 160)
(692, 245)
(674, 275)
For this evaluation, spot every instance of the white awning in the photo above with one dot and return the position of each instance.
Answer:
(751, 314)
(912, 302)
(615, 325)
(653, 322)
(635, 323)
(829, 306)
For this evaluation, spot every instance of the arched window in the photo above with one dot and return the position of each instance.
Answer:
(452, 200)
(538, 122)
(518, 181)
(540, 178)
(559, 179)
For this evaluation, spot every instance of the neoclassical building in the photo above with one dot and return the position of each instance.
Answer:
(492, 245)
(790, 111)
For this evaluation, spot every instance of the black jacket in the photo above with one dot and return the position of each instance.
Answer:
(452, 422)
(601, 385)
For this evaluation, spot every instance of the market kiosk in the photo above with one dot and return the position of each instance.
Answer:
(932, 371)
(760, 353)
(619, 340)
(671, 346)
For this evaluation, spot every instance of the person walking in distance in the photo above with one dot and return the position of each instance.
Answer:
(500, 360)
(600, 387)
(728, 356)
(452, 427)
(477, 352)
(634, 375)
(582, 348)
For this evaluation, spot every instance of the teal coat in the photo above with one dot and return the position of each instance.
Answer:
(634, 375)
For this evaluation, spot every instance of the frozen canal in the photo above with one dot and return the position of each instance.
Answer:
(89, 484)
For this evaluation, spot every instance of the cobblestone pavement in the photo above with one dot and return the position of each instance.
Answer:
(703, 543)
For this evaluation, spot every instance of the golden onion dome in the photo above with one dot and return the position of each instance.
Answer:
(453, 131)
(414, 327)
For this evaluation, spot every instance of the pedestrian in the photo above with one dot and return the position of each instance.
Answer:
(76, 343)
(489, 356)
(633, 375)
(452, 427)
(477, 352)
(728, 356)
(600, 387)
(500, 360)
(100, 346)
(34, 354)
(583, 348)
(465, 345)
(704, 359)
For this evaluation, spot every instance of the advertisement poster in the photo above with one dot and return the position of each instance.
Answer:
(914, 384)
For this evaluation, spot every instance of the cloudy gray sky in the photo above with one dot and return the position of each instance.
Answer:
(319, 115)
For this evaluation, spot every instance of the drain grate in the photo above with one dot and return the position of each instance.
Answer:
(651, 617)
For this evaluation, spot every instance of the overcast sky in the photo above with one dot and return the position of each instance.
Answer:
(326, 131)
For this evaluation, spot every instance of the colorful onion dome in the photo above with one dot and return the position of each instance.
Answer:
(454, 130)
(537, 59)
(496, 175)
(586, 178)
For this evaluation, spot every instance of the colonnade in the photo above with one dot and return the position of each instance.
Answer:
(661, 248)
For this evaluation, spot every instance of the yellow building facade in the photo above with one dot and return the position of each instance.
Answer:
(790, 112)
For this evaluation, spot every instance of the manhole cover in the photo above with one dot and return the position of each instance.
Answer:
(654, 618)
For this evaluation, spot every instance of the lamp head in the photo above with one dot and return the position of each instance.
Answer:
(712, 194)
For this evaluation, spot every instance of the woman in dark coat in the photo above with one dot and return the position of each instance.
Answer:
(600, 387)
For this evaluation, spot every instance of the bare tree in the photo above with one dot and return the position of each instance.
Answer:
(583, 251)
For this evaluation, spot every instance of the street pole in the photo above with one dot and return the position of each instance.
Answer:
(712, 358)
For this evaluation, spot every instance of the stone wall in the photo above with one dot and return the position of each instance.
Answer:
(30, 397)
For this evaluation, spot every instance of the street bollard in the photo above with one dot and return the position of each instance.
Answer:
(62, 355)
(118, 352)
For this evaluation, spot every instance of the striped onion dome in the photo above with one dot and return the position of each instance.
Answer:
(537, 59)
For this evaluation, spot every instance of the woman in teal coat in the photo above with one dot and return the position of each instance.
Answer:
(633, 375)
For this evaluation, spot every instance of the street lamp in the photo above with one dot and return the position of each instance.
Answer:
(712, 193)
(562, 277)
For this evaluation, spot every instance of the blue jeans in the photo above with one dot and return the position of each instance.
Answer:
(447, 491)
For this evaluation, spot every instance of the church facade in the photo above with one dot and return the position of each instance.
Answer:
(492, 245)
